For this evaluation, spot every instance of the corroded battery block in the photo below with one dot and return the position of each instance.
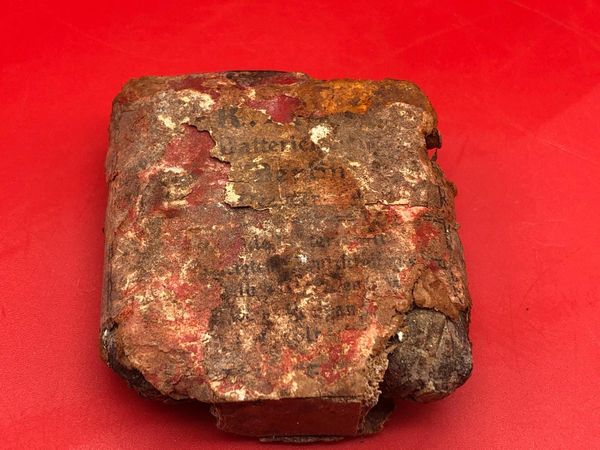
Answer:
(282, 248)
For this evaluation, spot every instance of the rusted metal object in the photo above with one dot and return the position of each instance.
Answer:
(282, 248)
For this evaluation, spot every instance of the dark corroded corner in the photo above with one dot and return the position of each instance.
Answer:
(433, 359)
(284, 249)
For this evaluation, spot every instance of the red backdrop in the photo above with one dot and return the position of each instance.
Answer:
(517, 88)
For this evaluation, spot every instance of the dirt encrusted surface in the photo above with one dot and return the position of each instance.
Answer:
(283, 248)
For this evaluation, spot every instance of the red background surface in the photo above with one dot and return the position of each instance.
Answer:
(517, 88)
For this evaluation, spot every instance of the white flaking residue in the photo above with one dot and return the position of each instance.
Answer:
(172, 169)
(265, 112)
(400, 336)
(167, 121)
(318, 133)
(303, 259)
(367, 339)
(233, 394)
(175, 203)
(231, 197)
(257, 231)
(185, 267)
(408, 214)
(146, 174)
(199, 99)
(407, 112)
(243, 308)
(129, 279)
(411, 175)
(288, 379)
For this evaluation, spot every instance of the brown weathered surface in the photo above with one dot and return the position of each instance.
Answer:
(272, 241)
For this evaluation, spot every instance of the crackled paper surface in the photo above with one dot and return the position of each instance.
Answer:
(266, 234)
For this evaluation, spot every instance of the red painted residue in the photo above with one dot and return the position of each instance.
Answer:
(353, 246)
(209, 186)
(424, 233)
(191, 150)
(372, 308)
(165, 347)
(189, 82)
(287, 360)
(281, 108)
(233, 245)
(404, 213)
(433, 266)
(379, 220)
(351, 338)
